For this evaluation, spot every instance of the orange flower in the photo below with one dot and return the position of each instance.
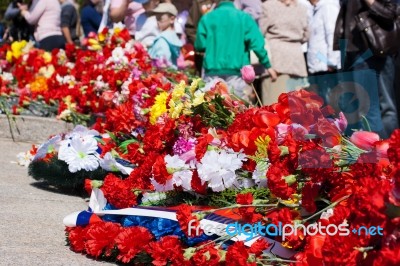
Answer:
(39, 85)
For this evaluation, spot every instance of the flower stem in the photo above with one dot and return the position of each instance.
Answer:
(326, 208)
(258, 97)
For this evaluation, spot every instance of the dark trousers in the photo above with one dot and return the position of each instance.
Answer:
(52, 42)
(382, 115)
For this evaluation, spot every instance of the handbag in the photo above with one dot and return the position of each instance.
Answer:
(382, 38)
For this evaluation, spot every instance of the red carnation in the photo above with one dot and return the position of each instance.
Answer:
(77, 237)
(160, 172)
(132, 241)
(185, 217)
(237, 255)
(118, 192)
(259, 246)
(101, 238)
(244, 199)
(207, 255)
(167, 250)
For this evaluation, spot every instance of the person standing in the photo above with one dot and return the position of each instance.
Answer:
(45, 15)
(122, 10)
(90, 17)
(69, 20)
(322, 61)
(382, 112)
(19, 28)
(284, 24)
(167, 45)
(146, 24)
(227, 35)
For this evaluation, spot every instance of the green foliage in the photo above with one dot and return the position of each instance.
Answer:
(56, 173)
(228, 197)
(214, 113)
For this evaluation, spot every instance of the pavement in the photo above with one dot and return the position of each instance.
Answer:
(31, 229)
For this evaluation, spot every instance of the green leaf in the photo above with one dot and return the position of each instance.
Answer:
(124, 145)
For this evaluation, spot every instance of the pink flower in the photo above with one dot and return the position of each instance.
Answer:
(364, 139)
(341, 123)
(248, 74)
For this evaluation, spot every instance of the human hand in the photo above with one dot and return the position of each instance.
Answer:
(369, 2)
(22, 7)
(272, 73)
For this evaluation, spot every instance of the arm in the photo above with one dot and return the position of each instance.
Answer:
(201, 37)
(255, 40)
(118, 10)
(33, 16)
(66, 14)
(385, 9)
(256, 43)
(11, 12)
(67, 34)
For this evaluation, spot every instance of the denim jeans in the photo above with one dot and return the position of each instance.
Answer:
(382, 115)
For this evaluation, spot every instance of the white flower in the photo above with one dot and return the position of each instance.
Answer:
(24, 158)
(182, 175)
(151, 198)
(118, 57)
(82, 131)
(327, 214)
(79, 153)
(169, 185)
(259, 174)
(6, 76)
(109, 163)
(218, 169)
(52, 144)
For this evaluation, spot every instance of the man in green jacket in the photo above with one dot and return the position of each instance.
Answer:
(227, 35)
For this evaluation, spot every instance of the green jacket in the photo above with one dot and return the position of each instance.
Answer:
(227, 35)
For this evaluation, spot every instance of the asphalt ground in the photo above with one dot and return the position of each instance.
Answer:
(31, 214)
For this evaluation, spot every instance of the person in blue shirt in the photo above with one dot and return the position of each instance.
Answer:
(167, 44)
(90, 17)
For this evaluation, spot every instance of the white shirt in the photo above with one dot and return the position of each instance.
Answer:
(320, 53)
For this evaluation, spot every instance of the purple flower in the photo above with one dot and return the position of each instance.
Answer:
(183, 145)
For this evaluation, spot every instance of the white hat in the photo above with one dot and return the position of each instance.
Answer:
(165, 8)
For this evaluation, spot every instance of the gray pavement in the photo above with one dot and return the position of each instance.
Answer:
(31, 229)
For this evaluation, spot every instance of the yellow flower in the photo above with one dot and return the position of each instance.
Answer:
(198, 98)
(194, 85)
(9, 56)
(159, 107)
(117, 30)
(16, 50)
(179, 91)
(175, 109)
(101, 37)
(47, 57)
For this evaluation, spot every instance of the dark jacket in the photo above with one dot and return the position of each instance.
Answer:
(346, 28)
(198, 9)
(19, 29)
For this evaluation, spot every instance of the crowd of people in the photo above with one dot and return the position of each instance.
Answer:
(313, 44)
